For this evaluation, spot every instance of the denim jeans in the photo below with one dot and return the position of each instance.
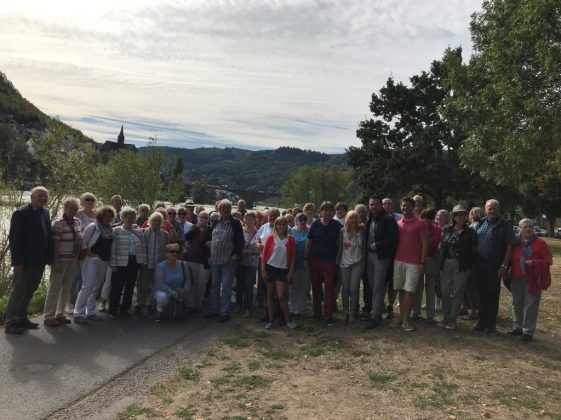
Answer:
(377, 273)
(222, 280)
(244, 286)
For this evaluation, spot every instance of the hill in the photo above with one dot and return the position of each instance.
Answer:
(20, 121)
(262, 170)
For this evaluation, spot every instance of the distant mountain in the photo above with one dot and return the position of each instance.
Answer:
(262, 170)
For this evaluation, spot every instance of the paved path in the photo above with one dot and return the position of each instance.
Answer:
(44, 370)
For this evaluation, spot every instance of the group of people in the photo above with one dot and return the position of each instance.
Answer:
(176, 257)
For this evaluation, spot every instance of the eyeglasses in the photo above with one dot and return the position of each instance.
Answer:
(89, 199)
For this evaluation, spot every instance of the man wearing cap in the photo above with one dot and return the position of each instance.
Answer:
(495, 242)
(190, 217)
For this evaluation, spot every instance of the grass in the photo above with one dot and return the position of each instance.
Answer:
(253, 381)
(321, 345)
(133, 411)
(218, 381)
(235, 343)
(253, 365)
(186, 413)
(232, 369)
(190, 374)
(381, 379)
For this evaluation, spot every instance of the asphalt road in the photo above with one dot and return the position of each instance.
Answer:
(45, 370)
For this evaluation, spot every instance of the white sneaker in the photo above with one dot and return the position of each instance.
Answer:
(291, 324)
(69, 309)
(407, 326)
(269, 326)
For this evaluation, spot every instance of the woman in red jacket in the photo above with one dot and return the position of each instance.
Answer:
(278, 268)
(530, 255)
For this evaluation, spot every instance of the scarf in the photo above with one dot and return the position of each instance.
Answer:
(526, 251)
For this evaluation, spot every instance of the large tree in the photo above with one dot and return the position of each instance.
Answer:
(509, 94)
(408, 145)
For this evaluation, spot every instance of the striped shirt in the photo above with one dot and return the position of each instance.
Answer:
(127, 243)
(222, 244)
(69, 242)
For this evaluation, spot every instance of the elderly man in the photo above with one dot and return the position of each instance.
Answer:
(31, 249)
(387, 203)
(495, 241)
(226, 248)
(117, 203)
(242, 208)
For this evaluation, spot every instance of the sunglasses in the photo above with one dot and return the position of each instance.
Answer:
(89, 199)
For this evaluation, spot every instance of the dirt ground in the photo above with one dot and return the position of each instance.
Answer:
(346, 372)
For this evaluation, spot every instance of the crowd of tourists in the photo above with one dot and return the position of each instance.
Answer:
(184, 260)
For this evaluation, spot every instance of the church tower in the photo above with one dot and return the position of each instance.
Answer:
(121, 138)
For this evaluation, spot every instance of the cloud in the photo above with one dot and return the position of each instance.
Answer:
(252, 73)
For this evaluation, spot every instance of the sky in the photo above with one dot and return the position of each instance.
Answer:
(222, 73)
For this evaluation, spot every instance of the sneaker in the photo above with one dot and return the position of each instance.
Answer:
(451, 326)
(330, 322)
(407, 326)
(269, 326)
(69, 309)
(51, 322)
(371, 324)
(101, 306)
(291, 324)
(223, 318)
(80, 320)
(443, 323)
(94, 317)
(389, 312)
(246, 314)
(396, 323)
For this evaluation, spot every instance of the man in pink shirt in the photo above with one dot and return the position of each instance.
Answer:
(409, 262)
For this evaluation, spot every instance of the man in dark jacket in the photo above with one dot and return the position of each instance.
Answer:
(226, 248)
(495, 240)
(381, 240)
(31, 249)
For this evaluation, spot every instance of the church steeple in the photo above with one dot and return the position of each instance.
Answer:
(121, 138)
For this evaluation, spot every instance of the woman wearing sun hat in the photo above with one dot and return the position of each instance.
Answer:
(457, 250)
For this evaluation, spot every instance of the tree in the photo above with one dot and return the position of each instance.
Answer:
(67, 162)
(509, 95)
(409, 146)
(138, 179)
(202, 193)
(317, 184)
(13, 154)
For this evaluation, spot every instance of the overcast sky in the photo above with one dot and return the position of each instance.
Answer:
(252, 74)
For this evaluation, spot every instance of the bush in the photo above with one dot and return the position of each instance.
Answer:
(35, 306)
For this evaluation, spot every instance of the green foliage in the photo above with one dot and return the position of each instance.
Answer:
(137, 178)
(190, 374)
(12, 103)
(13, 154)
(408, 146)
(317, 184)
(262, 170)
(508, 97)
(68, 164)
(201, 192)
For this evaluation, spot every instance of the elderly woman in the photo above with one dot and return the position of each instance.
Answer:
(197, 255)
(321, 251)
(531, 259)
(127, 252)
(97, 240)
(457, 250)
(143, 213)
(309, 209)
(172, 281)
(67, 241)
(155, 241)
(246, 272)
(86, 216)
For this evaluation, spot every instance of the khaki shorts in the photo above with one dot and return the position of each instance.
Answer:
(405, 276)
